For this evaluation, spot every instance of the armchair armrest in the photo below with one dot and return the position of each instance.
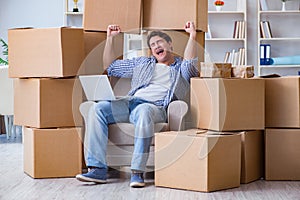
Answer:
(176, 113)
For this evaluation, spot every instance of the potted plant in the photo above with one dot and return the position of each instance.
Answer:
(219, 4)
(4, 61)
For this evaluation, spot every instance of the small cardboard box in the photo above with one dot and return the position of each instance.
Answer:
(94, 43)
(283, 102)
(228, 104)
(215, 70)
(282, 154)
(155, 10)
(98, 14)
(242, 71)
(47, 103)
(52, 153)
(199, 162)
(45, 52)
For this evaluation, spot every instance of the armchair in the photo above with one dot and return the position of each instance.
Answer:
(121, 135)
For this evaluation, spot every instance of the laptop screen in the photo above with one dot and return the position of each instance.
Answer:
(97, 87)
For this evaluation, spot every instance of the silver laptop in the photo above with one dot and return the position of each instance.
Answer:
(97, 87)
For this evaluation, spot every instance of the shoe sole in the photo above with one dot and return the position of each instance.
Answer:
(87, 179)
(137, 184)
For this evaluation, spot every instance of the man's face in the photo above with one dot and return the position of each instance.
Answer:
(161, 49)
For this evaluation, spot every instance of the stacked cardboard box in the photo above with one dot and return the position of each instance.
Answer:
(135, 17)
(282, 128)
(233, 105)
(220, 108)
(45, 63)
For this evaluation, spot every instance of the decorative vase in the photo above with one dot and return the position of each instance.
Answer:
(219, 8)
(283, 6)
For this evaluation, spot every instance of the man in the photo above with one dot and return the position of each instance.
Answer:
(156, 81)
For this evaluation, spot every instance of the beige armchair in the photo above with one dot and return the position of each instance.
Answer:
(121, 135)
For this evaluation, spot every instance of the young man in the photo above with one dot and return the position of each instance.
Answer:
(156, 81)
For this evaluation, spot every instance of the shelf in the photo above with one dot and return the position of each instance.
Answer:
(279, 12)
(73, 13)
(279, 66)
(280, 39)
(226, 12)
(224, 39)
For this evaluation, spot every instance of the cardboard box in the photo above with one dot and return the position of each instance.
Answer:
(173, 14)
(283, 102)
(282, 154)
(252, 153)
(228, 104)
(252, 167)
(46, 103)
(215, 70)
(98, 14)
(199, 162)
(94, 43)
(52, 153)
(45, 52)
(242, 71)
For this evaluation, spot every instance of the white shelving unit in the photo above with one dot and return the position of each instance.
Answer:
(285, 40)
(135, 45)
(222, 25)
(71, 18)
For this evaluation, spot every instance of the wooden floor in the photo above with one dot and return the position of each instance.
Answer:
(14, 184)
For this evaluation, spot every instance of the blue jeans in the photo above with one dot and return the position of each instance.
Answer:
(134, 110)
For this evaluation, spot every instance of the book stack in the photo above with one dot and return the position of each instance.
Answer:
(235, 57)
(265, 29)
(239, 30)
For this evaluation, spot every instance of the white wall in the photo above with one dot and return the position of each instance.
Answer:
(30, 13)
(252, 33)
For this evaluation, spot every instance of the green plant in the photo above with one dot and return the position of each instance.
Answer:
(4, 52)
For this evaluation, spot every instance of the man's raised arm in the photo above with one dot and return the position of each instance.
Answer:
(109, 53)
(191, 46)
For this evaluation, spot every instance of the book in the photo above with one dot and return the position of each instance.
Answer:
(265, 54)
(243, 30)
(263, 5)
(234, 29)
(226, 57)
(262, 30)
(268, 28)
(237, 29)
(241, 27)
(208, 33)
(243, 62)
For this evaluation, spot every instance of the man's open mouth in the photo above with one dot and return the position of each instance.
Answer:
(159, 51)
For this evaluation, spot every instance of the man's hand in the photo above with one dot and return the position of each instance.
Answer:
(113, 30)
(190, 28)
